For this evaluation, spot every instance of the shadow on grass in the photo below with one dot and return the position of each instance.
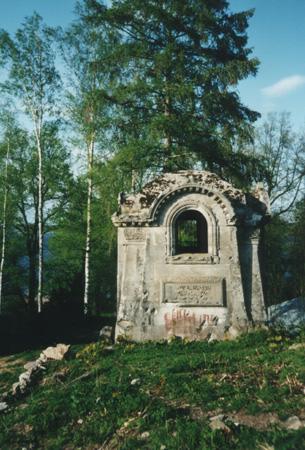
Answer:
(27, 331)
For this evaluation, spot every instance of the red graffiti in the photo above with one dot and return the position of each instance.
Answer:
(185, 322)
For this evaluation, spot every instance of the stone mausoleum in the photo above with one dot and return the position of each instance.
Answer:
(188, 258)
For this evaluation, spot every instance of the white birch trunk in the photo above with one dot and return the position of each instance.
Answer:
(40, 225)
(4, 224)
(88, 231)
(37, 116)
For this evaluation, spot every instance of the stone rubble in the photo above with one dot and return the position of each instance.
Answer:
(29, 377)
(217, 423)
(106, 334)
(293, 423)
(3, 406)
(300, 345)
(145, 435)
(261, 421)
(34, 371)
(57, 353)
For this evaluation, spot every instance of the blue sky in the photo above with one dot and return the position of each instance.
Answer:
(276, 33)
(54, 12)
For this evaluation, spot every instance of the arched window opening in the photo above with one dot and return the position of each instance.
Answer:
(191, 233)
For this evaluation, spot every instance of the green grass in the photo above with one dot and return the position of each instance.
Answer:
(12, 366)
(180, 385)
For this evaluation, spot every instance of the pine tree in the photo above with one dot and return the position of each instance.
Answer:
(174, 92)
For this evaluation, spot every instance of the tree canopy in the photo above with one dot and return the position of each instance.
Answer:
(176, 66)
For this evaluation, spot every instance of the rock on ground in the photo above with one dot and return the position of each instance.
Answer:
(217, 423)
(58, 353)
(296, 346)
(106, 334)
(34, 369)
(3, 406)
(293, 423)
(289, 314)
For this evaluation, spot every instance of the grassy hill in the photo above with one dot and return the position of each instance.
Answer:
(163, 396)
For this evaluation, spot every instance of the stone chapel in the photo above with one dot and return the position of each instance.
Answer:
(188, 261)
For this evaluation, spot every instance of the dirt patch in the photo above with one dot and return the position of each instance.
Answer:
(7, 363)
(261, 421)
(130, 428)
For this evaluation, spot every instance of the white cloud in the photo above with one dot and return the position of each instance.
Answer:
(284, 86)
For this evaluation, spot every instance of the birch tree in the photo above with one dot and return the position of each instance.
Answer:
(57, 177)
(33, 81)
(89, 73)
(4, 208)
(7, 150)
(12, 141)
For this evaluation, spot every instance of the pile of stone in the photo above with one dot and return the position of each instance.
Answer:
(33, 373)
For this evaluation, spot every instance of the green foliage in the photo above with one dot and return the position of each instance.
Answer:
(298, 248)
(175, 67)
(67, 243)
(22, 211)
(33, 83)
(282, 256)
(87, 73)
(276, 259)
(180, 386)
(30, 59)
(66, 246)
(13, 138)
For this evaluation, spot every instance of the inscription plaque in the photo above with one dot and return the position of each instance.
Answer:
(208, 291)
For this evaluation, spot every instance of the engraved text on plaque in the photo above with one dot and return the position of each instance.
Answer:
(209, 291)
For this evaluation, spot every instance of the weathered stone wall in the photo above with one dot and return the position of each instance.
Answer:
(192, 295)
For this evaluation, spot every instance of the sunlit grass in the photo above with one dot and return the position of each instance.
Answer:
(90, 399)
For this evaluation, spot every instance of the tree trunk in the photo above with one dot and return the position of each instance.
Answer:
(4, 224)
(167, 140)
(40, 228)
(88, 231)
(32, 281)
(263, 258)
